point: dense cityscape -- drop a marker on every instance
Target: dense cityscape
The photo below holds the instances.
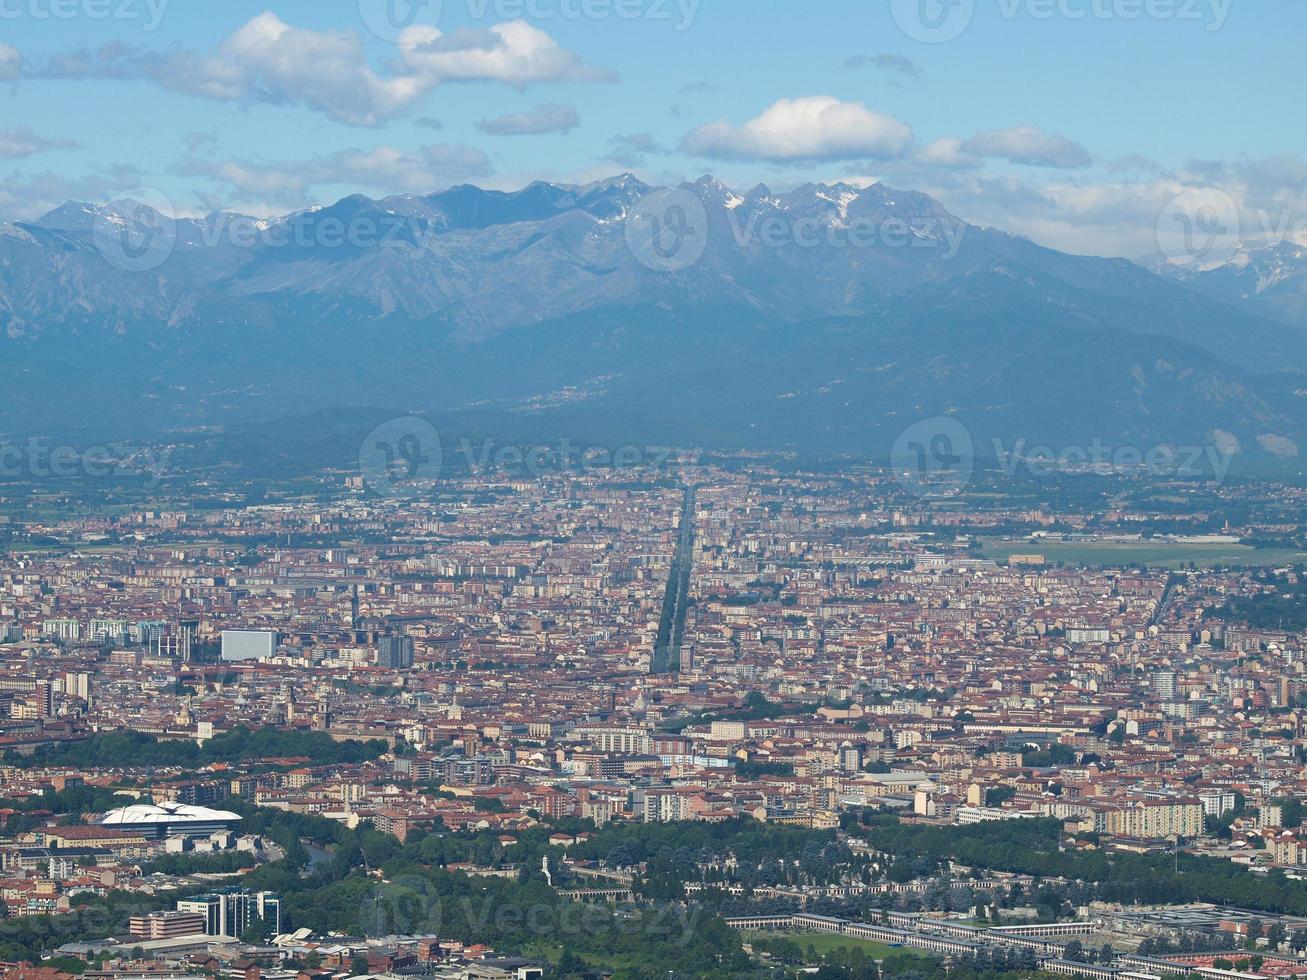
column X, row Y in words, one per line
column 653, row 490
column 813, row 718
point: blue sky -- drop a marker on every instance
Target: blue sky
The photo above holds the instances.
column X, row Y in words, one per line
column 1076, row 122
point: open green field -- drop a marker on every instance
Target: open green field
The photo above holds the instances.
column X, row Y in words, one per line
column 824, row 942
column 1158, row 554
column 551, row 951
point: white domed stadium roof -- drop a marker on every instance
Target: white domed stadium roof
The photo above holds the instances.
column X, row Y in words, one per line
column 163, row 813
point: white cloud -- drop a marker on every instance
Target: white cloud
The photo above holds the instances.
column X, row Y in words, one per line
column 948, row 152
column 548, row 117
column 22, row 142
column 1027, row 145
column 252, row 180
column 818, row 127
column 388, row 169
column 630, row 150
column 264, row 186
column 1086, row 216
column 28, row 196
column 269, row 61
column 11, row 63
column 266, row 60
column 518, row 179
column 513, row 52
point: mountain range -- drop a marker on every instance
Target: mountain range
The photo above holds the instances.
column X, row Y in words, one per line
column 1270, row 278
column 825, row 318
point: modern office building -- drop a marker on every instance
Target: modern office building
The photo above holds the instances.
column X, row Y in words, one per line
column 231, row 913
column 248, row 645
column 147, row 631
column 177, row 641
column 107, row 630
column 1164, row 684
column 62, row 629
column 166, row 925
column 395, row 652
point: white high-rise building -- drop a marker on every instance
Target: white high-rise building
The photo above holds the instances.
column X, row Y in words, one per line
column 248, row 645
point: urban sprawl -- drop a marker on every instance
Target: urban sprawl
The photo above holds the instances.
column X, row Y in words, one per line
column 734, row 721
